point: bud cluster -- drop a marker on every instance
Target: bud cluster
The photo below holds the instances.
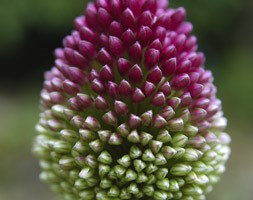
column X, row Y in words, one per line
column 128, row 110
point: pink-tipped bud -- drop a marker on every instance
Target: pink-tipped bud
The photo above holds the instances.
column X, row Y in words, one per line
column 180, row 81
column 165, row 88
column 120, row 107
column 158, row 99
column 110, row 118
column 101, row 103
column 97, row 86
column 148, row 88
column 134, row 121
column 159, row 121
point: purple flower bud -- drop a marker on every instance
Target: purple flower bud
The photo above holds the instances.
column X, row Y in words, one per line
column 70, row 87
column 101, row 103
column 88, row 35
column 134, row 121
column 159, row 121
column 97, row 86
column 123, row 66
column 151, row 58
column 104, row 57
column 120, row 107
column 87, row 49
column 128, row 38
column 128, row 19
column 144, row 35
column 106, row 73
column 158, row 99
column 135, row 74
column 180, row 81
column 135, row 51
column 125, row 88
column 104, row 18
column 112, row 89
column 116, row 29
column 155, row 75
column 110, row 118
column 116, row 46
column 145, row 19
column 156, row 44
column 167, row 112
column 169, row 67
column 138, row 96
column 165, row 88
column 148, row 88
column 177, row 17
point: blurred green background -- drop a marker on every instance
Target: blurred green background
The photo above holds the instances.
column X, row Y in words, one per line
column 31, row 29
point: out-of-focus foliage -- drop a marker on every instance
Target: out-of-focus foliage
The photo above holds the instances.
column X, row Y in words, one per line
column 18, row 16
column 224, row 29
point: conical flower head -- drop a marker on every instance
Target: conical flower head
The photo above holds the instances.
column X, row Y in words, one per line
column 128, row 110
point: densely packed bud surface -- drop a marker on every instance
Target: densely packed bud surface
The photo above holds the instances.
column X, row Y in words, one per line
column 128, row 110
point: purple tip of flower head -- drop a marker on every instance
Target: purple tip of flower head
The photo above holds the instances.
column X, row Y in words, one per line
column 129, row 101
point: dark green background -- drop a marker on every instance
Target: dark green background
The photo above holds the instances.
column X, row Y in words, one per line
column 31, row 29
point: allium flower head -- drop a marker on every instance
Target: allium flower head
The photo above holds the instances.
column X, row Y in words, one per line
column 128, row 110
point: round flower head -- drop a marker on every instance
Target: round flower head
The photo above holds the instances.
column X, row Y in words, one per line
column 128, row 110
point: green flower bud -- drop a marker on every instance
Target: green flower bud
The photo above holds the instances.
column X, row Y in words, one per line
column 148, row 190
column 163, row 184
column 67, row 163
column 61, row 147
column 105, row 158
column 160, row 159
column 161, row 173
column 103, row 170
column 130, row 175
column 133, row 137
column 125, row 161
column 145, row 138
column 119, row 170
column 139, row 165
column 164, row 136
column 192, row 154
column 125, row 194
column 155, row 146
column 87, row 135
column 104, row 135
column 160, row 195
column 96, row 145
column 87, row 194
column 105, row 183
column 135, row 152
column 179, row 140
column 133, row 189
column 180, row 169
column 142, row 178
column 69, row 135
column 174, row 186
column 115, row 139
column 86, row 172
column 113, row 191
column 168, row 152
column 148, row 156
